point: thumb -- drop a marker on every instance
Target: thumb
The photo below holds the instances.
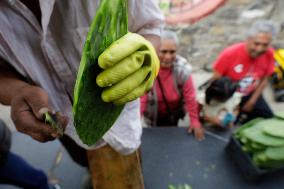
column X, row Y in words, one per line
column 37, row 99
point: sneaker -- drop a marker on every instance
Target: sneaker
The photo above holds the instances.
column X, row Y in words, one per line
column 87, row 181
column 54, row 186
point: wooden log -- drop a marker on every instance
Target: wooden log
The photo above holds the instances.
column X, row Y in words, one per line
column 111, row 170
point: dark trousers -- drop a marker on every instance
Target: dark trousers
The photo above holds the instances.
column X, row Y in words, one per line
column 17, row 171
column 172, row 117
column 77, row 153
column 167, row 121
column 14, row 169
column 260, row 109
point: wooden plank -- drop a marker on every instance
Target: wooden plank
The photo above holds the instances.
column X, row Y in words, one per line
column 111, row 170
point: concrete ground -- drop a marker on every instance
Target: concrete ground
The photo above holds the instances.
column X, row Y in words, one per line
column 54, row 160
column 209, row 35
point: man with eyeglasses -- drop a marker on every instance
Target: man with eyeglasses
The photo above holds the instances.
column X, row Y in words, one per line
column 250, row 63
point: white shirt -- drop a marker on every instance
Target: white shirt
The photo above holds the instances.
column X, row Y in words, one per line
column 49, row 55
column 215, row 107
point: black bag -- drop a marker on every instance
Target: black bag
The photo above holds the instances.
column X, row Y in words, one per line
column 5, row 141
column 173, row 115
column 176, row 115
column 220, row 89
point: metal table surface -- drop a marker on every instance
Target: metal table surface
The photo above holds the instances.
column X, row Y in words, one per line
column 171, row 156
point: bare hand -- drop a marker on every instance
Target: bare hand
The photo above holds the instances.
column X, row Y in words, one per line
column 197, row 131
column 27, row 109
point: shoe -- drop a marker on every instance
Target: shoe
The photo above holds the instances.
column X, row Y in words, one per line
column 54, row 186
column 87, row 181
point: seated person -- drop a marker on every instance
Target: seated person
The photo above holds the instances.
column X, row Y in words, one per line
column 250, row 63
column 173, row 93
column 219, row 103
column 14, row 170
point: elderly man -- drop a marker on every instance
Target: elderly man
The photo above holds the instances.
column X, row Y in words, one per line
column 250, row 63
column 40, row 51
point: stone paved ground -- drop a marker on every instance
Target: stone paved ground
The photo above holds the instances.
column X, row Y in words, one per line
column 202, row 41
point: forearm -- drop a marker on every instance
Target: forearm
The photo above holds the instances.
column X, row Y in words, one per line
column 28, row 103
column 193, row 112
column 191, row 104
column 216, row 75
column 258, row 91
column 10, row 84
column 154, row 39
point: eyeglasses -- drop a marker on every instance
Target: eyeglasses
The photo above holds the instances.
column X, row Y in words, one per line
column 168, row 51
column 262, row 44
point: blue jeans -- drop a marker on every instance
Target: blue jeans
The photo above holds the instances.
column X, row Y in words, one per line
column 16, row 171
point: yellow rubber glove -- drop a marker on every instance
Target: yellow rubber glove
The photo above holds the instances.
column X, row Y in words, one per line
column 130, row 67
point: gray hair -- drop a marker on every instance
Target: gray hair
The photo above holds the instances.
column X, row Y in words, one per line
column 263, row 26
column 169, row 35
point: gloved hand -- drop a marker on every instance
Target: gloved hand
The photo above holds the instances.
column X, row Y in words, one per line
column 130, row 66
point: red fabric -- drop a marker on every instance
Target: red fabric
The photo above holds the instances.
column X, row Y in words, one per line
column 192, row 13
column 191, row 104
column 173, row 98
column 236, row 55
column 143, row 104
column 236, row 63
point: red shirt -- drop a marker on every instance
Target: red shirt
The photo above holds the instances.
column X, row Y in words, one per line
column 173, row 96
column 235, row 63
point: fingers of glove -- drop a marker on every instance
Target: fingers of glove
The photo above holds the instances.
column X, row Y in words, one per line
column 139, row 91
column 126, row 86
column 136, row 93
column 121, row 49
column 121, row 70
